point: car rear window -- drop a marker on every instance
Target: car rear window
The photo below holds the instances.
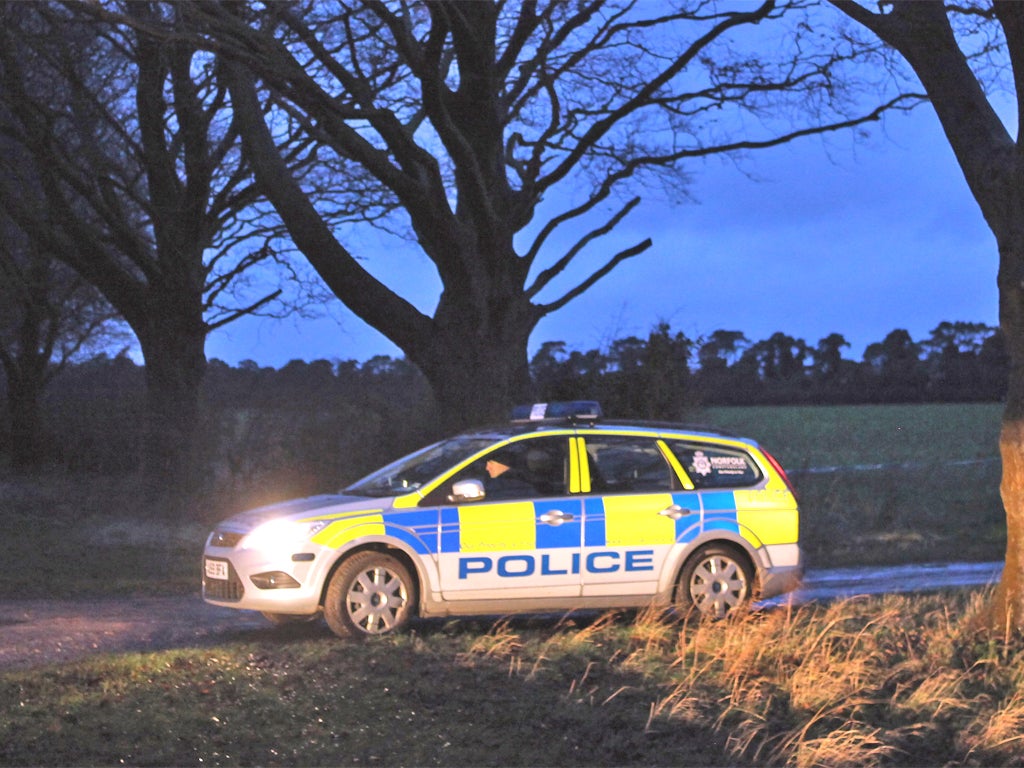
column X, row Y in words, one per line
column 712, row 466
column 626, row 464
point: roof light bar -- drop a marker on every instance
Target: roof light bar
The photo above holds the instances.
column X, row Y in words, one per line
column 570, row 411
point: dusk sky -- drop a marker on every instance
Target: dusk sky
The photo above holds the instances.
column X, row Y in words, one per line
column 820, row 236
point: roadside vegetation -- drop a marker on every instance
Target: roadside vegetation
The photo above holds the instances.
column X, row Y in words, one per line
column 871, row 681
column 333, row 421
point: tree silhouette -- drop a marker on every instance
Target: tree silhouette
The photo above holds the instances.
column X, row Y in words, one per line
column 127, row 167
column 508, row 140
column 952, row 49
column 900, row 376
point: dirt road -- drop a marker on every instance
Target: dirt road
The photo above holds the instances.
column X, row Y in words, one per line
column 34, row 632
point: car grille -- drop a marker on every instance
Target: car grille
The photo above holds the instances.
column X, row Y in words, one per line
column 224, row 589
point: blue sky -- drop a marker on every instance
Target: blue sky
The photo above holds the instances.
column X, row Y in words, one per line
column 857, row 237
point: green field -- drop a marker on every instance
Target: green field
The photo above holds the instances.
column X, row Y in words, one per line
column 912, row 483
column 820, row 436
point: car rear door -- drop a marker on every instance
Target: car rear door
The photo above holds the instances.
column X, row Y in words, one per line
column 636, row 510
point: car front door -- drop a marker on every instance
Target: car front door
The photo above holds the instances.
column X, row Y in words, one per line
column 523, row 538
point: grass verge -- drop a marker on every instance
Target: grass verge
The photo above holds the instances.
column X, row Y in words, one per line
column 88, row 536
column 886, row 681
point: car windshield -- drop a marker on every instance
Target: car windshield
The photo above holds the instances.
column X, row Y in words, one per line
column 415, row 470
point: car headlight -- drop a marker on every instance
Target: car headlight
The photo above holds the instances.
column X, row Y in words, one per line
column 282, row 536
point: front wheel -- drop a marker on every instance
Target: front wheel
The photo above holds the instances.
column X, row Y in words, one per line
column 716, row 581
column 370, row 593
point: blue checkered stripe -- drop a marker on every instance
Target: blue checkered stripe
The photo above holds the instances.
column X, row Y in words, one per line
column 435, row 531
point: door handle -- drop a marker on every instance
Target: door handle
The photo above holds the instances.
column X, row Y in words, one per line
column 675, row 512
column 555, row 517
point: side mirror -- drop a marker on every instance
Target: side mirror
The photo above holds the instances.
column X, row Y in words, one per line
column 467, row 490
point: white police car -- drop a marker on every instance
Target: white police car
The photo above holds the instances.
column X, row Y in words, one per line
column 559, row 510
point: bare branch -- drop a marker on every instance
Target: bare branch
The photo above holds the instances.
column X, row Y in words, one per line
column 252, row 309
column 584, row 286
column 559, row 266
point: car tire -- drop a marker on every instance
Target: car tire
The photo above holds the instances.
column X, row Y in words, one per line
column 288, row 619
column 716, row 581
column 370, row 593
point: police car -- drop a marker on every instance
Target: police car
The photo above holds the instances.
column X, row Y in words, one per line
column 558, row 510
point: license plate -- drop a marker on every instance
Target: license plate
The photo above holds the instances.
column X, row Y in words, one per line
column 216, row 569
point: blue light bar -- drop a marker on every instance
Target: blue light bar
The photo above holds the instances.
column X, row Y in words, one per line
column 572, row 410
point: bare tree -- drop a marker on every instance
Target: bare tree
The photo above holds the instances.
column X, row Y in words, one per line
column 950, row 50
column 49, row 316
column 128, row 168
column 508, row 140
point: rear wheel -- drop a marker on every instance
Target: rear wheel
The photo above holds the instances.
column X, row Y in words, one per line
column 370, row 593
column 716, row 581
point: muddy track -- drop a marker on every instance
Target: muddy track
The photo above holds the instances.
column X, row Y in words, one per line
column 36, row 632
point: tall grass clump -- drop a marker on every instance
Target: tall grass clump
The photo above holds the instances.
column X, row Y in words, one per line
column 868, row 681
column 895, row 680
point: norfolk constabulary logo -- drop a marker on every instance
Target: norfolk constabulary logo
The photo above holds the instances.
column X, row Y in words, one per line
column 701, row 463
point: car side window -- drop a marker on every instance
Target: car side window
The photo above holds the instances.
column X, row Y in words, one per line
column 713, row 466
column 526, row 469
column 623, row 464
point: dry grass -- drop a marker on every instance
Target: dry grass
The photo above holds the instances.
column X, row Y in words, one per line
column 849, row 746
column 997, row 736
column 879, row 681
column 861, row 682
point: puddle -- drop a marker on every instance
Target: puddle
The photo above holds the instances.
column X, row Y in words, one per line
column 834, row 583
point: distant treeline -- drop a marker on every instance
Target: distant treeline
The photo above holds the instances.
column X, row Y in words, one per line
column 309, row 425
column 654, row 377
column 958, row 362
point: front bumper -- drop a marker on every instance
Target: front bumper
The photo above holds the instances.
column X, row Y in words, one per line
column 228, row 581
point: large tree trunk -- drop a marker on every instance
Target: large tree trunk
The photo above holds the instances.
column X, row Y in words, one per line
column 473, row 350
column 24, row 400
column 481, row 393
column 25, row 365
column 1005, row 213
column 474, row 354
column 475, row 378
column 175, row 360
column 1008, row 608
